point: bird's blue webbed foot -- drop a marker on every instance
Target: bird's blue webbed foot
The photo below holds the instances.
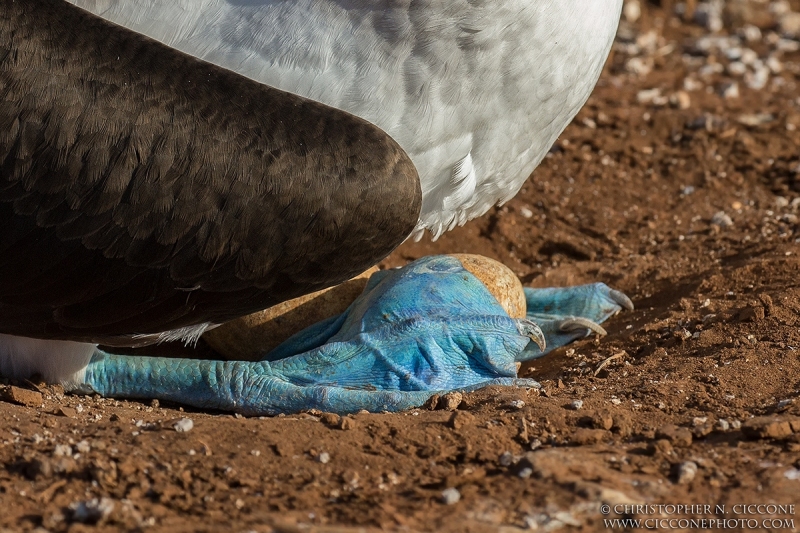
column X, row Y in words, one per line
column 430, row 327
column 570, row 313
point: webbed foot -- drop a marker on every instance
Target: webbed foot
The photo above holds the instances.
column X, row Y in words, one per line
column 570, row 313
column 430, row 327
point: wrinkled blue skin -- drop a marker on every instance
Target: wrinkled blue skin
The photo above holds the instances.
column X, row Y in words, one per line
column 430, row 327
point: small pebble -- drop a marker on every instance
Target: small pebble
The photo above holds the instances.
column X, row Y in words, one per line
column 681, row 100
column 723, row 424
column 324, row 458
column 790, row 24
column 602, row 419
column 450, row 401
column 576, row 405
column 62, row 450
column 517, row 404
column 709, row 16
column 722, row 220
column 330, row 419
column 83, row 446
column 21, row 396
column 460, row 419
column 91, row 510
column 751, row 33
column 730, row 90
column 686, row 472
column 660, row 447
column 69, row 412
column 792, row 474
column 506, row 459
column 646, row 96
column 525, row 473
column 450, row 496
column 737, row 68
column 632, row 11
column 347, row 423
column 768, row 427
column 184, row 425
column 677, row 436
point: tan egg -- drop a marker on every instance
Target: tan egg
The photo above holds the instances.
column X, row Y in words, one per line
column 504, row 285
column 249, row 337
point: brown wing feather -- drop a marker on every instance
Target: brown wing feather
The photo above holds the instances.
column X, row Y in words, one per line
column 143, row 190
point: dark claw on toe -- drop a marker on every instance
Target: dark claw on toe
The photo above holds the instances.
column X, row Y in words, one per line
column 532, row 331
column 580, row 323
column 621, row 299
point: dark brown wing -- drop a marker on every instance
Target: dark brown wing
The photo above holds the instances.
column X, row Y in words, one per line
column 143, row 190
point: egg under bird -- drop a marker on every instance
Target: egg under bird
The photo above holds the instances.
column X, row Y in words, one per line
column 166, row 167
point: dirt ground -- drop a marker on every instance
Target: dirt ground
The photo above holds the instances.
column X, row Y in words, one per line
column 679, row 184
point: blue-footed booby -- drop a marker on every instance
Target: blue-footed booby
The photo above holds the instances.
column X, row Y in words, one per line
column 169, row 165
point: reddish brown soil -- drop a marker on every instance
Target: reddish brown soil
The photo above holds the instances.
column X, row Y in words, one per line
column 626, row 197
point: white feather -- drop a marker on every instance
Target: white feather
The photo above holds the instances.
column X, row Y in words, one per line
column 189, row 335
column 56, row 361
column 462, row 184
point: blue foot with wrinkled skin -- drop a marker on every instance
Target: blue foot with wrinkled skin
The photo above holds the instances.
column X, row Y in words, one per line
column 571, row 313
column 430, row 327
